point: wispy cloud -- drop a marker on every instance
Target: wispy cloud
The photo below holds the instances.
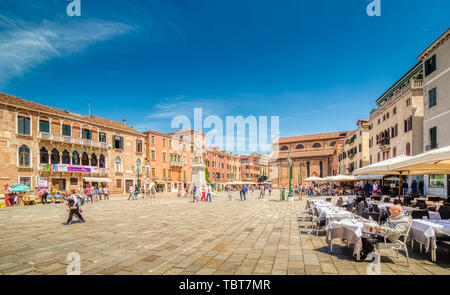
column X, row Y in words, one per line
column 23, row 46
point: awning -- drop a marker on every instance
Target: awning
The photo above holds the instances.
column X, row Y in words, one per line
column 381, row 167
column 314, row 178
column 433, row 162
column 370, row 177
column 96, row 179
column 341, row 178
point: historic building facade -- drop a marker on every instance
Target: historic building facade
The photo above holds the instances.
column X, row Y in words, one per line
column 223, row 167
column 436, row 116
column 255, row 168
column 41, row 146
column 354, row 152
column 396, row 125
column 170, row 161
column 311, row 155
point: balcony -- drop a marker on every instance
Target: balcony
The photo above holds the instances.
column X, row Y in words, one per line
column 72, row 168
column 409, row 85
column 72, row 140
column 176, row 164
column 384, row 143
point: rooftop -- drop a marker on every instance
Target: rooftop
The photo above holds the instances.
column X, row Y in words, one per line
column 312, row 137
column 15, row 101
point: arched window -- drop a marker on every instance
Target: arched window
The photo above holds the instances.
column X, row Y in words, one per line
column 408, row 149
column 24, row 156
column 55, row 156
column 394, row 152
column 43, row 155
column 94, row 161
column 299, row 147
column 118, row 165
column 65, row 157
column 378, row 157
column 85, row 159
column 333, row 143
column 102, row 162
column 75, row 158
column 317, row 145
column 284, row 148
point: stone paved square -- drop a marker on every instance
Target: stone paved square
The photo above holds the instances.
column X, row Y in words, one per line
column 169, row 235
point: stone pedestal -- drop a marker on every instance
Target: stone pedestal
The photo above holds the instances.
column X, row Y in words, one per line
column 198, row 174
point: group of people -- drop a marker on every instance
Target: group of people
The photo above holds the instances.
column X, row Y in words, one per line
column 144, row 191
column 205, row 193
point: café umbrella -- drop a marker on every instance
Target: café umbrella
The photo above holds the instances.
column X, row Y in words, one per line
column 18, row 187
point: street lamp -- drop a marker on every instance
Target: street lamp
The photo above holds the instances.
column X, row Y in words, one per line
column 290, row 175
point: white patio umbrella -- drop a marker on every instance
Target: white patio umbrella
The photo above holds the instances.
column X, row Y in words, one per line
column 370, row 177
column 384, row 167
column 313, row 178
column 433, row 162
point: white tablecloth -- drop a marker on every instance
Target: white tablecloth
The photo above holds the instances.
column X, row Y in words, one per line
column 426, row 231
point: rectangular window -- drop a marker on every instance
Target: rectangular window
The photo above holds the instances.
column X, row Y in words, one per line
column 26, row 181
column 437, row 181
column 102, row 137
column 433, row 137
column 67, row 130
column 153, row 155
column 164, row 156
column 87, row 134
column 430, row 65
column 73, row 181
column 432, row 98
column 118, row 142
column 139, row 146
column 360, row 147
column 153, row 172
column 164, row 142
column 170, row 143
column 44, row 126
column 118, row 183
column 23, row 125
column 153, row 140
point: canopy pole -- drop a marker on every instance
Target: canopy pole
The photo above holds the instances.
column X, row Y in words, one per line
column 399, row 185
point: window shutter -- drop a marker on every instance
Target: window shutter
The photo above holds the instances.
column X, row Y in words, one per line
column 121, row 142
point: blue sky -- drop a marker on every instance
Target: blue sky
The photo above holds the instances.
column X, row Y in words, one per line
column 318, row 65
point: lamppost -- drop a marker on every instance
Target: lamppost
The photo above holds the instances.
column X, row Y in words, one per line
column 301, row 180
column 290, row 175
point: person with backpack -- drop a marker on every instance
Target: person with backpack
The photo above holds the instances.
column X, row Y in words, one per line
column 74, row 209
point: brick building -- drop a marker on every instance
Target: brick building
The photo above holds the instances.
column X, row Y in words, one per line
column 223, row 167
column 312, row 155
column 255, row 168
column 45, row 146
column 169, row 156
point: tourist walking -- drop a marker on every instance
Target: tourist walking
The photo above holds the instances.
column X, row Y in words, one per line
column 153, row 191
column 73, row 208
column 89, row 192
column 203, row 194
column 261, row 193
column 106, row 192
column 100, row 192
column 208, row 193
column 194, row 192
column 229, row 193
column 131, row 191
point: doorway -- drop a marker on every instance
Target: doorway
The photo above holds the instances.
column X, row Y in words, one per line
column 59, row 184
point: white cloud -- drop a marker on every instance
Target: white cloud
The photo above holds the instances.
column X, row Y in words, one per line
column 25, row 46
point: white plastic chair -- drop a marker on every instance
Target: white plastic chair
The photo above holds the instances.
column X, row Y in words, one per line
column 398, row 245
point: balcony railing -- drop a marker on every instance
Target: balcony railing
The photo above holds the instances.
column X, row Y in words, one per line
column 411, row 84
column 176, row 164
column 73, row 140
column 72, row 168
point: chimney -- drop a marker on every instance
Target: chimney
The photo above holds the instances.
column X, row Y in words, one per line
column 124, row 122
